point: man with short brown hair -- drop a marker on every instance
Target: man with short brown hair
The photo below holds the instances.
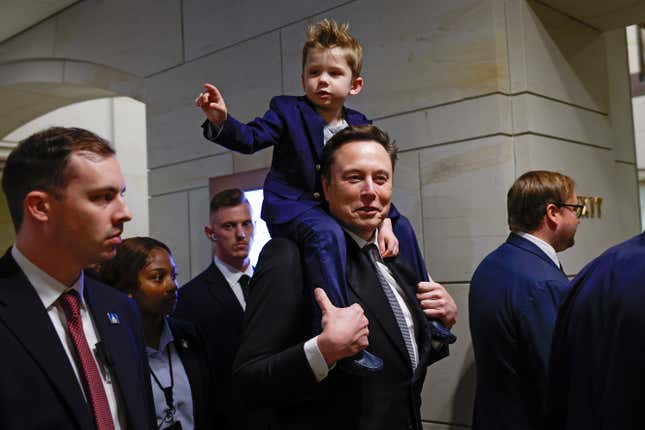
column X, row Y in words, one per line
column 283, row 365
column 215, row 299
column 72, row 348
column 513, row 301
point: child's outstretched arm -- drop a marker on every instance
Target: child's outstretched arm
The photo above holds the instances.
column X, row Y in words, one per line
column 387, row 242
column 212, row 104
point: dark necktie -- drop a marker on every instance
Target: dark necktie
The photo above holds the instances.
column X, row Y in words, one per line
column 89, row 371
column 375, row 256
column 244, row 282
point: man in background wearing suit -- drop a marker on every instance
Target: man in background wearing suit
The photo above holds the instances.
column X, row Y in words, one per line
column 596, row 373
column 514, row 297
column 282, row 366
column 72, row 348
column 216, row 298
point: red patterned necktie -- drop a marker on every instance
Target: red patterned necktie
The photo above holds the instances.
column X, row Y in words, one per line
column 91, row 377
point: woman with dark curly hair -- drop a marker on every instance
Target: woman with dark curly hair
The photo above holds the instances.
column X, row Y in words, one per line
column 182, row 383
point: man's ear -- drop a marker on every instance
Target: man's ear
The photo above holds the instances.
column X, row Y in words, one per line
column 208, row 231
column 37, row 205
column 357, row 86
column 552, row 215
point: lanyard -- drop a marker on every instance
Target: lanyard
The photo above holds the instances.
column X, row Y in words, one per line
column 167, row 391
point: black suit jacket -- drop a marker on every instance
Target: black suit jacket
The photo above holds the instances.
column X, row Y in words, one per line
column 192, row 352
column 208, row 302
column 38, row 388
column 271, row 367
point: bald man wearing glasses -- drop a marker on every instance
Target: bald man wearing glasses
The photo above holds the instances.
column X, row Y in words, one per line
column 514, row 297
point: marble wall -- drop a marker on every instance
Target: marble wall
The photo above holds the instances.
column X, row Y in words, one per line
column 475, row 91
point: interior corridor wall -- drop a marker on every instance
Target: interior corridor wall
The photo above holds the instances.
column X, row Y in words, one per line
column 476, row 92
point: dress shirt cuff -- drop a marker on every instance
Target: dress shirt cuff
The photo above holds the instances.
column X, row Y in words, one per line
column 316, row 360
column 212, row 131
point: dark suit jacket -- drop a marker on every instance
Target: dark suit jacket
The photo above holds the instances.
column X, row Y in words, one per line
column 38, row 388
column 597, row 371
column 514, row 296
column 271, row 367
column 208, row 302
column 192, row 352
column 295, row 130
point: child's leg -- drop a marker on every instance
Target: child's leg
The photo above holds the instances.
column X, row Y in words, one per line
column 322, row 242
column 411, row 254
column 408, row 246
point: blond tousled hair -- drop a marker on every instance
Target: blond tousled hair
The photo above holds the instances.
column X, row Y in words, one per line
column 328, row 34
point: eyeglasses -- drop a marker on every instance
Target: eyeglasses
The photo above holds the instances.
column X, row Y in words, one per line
column 579, row 210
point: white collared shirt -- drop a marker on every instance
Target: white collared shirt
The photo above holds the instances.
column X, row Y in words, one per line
column 544, row 246
column 181, row 392
column 232, row 276
column 329, row 131
column 49, row 290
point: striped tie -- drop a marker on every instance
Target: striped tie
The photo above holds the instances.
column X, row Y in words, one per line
column 375, row 256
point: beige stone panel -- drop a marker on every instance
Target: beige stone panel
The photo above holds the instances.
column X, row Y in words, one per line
column 244, row 162
column 31, row 101
column 136, row 197
column 638, row 106
column 602, row 14
column 517, row 50
column 405, row 193
column 209, row 27
column 189, row 174
column 200, row 246
column 596, row 174
column 7, row 233
column 463, row 189
column 532, row 114
column 416, row 54
column 449, row 390
column 36, row 42
column 103, row 77
column 129, row 119
column 565, row 59
column 440, row 426
column 169, row 224
column 141, row 37
column 37, row 71
column 94, row 115
column 467, row 119
column 641, row 191
column 247, row 75
column 620, row 107
column 631, row 34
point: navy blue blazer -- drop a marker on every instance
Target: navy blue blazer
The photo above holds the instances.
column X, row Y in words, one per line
column 597, row 371
column 295, row 130
column 513, row 301
column 39, row 388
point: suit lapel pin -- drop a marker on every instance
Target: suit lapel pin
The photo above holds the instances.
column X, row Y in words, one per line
column 113, row 318
column 183, row 343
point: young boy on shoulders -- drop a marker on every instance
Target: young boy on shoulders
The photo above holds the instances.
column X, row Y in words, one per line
column 298, row 128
